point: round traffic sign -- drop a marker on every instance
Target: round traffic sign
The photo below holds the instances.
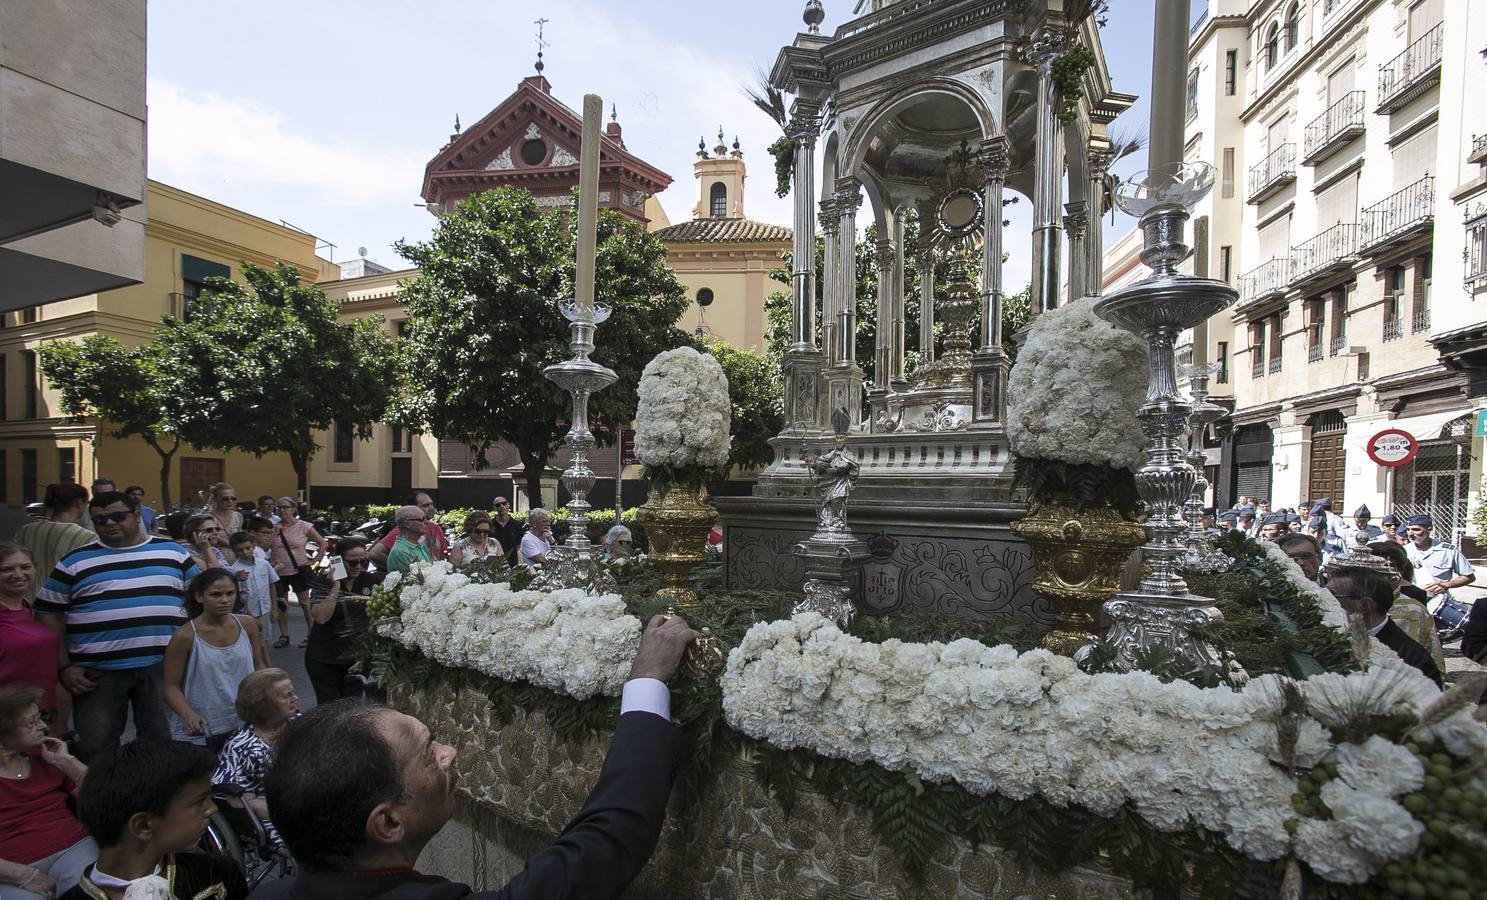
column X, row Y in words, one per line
column 1392, row 447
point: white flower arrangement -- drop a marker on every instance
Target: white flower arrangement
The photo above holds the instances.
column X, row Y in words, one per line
column 565, row 641
column 1075, row 390
column 683, row 417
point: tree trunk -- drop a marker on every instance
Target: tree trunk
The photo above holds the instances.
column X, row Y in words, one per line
column 300, row 460
column 165, row 459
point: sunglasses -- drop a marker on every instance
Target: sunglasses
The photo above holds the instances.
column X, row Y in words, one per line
column 115, row 517
column 285, row 506
column 623, row 541
column 484, row 531
column 226, row 498
column 354, row 562
column 213, row 530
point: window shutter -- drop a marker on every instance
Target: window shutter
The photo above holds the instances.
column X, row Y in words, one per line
column 1338, row 203
column 1275, row 239
column 1414, row 159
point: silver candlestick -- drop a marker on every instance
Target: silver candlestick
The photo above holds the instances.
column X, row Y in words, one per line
column 573, row 563
column 1162, row 612
column 1202, row 555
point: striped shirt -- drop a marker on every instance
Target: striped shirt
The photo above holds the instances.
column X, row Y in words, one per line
column 121, row 604
column 49, row 542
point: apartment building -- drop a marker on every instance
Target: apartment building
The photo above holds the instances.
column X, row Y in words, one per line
column 1350, row 212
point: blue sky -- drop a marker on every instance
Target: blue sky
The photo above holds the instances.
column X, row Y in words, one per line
column 323, row 114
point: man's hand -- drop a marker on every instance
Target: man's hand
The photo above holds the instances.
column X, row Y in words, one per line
column 661, row 648
column 1436, row 587
column 75, row 680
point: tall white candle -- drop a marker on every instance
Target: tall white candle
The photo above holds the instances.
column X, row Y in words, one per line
column 1169, row 62
column 588, row 205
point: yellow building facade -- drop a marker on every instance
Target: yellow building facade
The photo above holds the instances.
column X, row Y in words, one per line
column 187, row 239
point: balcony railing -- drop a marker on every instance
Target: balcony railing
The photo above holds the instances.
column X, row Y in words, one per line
column 1478, row 153
column 1406, row 76
column 1333, row 129
column 1400, row 216
column 1266, row 280
column 1272, row 173
column 1314, row 352
column 1476, row 252
column 1257, row 369
column 1332, row 248
column 1338, row 345
column 1393, row 328
column 1421, row 320
column 1274, row 365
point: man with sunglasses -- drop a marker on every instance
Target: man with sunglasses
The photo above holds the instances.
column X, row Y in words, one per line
column 433, row 535
column 114, row 603
column 409, row 547
column 506, row 530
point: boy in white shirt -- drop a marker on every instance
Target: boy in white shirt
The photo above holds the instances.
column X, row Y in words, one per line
column 255, row 579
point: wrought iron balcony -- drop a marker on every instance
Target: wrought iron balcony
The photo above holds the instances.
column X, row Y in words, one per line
column 1267, row 280
column 1274, row 364
column 1334, row 248
column 1314, row 351
column 1338, row 345
column 1393, row 328
column 1478, row 153
column 1272, row 173
column 1257, row 368
column 1404, row 215
column 1421, row 320
column 1407, row 75
column 1333, row 129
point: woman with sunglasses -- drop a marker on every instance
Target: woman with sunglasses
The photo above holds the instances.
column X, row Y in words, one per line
column 291, row 555
column 476, row 552
column 224, row 508
column 207, row 542
column 338, row 616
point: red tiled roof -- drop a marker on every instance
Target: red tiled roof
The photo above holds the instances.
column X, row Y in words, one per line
column 719, row 231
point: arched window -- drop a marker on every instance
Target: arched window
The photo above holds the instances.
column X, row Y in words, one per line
column 1272, row 46
column 718, row 200
column 1293, row 27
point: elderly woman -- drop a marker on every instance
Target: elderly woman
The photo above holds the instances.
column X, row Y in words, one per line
column 265, row 702
column 476, row 552
column 617, row 543
column 537, row 542
column 43, row 847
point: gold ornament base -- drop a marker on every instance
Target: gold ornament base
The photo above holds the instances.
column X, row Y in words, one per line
column 1078, row 555
column 677, row 518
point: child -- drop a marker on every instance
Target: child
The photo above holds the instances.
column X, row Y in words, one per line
column 264, row 533
column 255, row 577
column 146, row 806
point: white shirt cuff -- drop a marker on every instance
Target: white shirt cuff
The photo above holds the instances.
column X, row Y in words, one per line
column 646, row 695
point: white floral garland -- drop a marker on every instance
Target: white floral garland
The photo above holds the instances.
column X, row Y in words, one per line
column 683, row 417
column 1075, row 390
column 565, row 641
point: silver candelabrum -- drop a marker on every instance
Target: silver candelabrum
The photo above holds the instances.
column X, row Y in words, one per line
column 1202, row 554
column 1161, row 613
column 573, row 563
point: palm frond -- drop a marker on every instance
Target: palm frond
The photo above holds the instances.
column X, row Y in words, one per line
column 769, row 99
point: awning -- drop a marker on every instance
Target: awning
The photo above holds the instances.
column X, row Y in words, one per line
column 1426, row 427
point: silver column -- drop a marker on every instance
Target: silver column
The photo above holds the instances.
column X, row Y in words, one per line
column 848, row 199
column 926, row 305
column 803, row 128
column 1076, row 224
column 896, row 316
column 994, row 165
column 887, row 253
column 830, row 273
column 1048, row 174
column 1094, row 242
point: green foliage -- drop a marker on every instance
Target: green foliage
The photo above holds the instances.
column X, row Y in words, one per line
column 1050, row 480
column 261, row 367
column 123, row 386
column 1067, row 70
column 485, row 324
column 756, row 393
column 783, row 151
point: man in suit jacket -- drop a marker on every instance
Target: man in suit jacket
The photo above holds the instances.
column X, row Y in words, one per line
column 1370, row 594
column 357, row 790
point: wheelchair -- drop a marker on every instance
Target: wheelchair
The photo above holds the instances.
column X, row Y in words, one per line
column 235, row 831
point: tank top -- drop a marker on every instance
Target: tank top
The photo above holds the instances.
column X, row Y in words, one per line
column 211, row 685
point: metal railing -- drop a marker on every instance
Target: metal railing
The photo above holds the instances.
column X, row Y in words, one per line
column 1393, row 328
column 1343, row 120
column 1267, row 278
column 1257, row 369
column 1420, row 321
column 1335, row 245
column 1314, row 351
column 1338, row 345
column 1416, row 64
column 1275, row 364
column 1272, row 171
column 1476, row 252
column 1399, row 213
column 1479, row 149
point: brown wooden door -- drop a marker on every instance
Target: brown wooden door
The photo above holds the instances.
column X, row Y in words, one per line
column 1327, row 470
column 197, row 475
column 402, row 478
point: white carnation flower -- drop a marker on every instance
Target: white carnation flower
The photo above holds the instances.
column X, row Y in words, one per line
column 683, row 417
column 1381, row 766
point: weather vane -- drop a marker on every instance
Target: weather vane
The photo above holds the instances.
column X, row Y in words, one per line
column 541, row 44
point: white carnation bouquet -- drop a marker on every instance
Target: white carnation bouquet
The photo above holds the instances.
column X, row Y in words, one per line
column 1073, row 394
column 682, row 423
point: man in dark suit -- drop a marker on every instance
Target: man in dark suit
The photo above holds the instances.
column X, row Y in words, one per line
column 357, row 790
column 1370, row 594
